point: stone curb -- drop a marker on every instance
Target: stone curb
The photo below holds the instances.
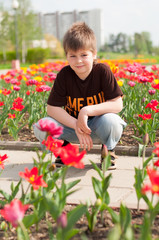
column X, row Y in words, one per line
column 33, row 146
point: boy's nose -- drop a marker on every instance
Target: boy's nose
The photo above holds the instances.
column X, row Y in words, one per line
column 79, row 59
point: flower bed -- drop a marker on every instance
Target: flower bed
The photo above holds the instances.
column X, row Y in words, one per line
column 23, row 102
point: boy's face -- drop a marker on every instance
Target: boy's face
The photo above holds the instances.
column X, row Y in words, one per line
column 81, row 62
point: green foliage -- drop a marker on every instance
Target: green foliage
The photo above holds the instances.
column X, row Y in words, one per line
column 37, row 55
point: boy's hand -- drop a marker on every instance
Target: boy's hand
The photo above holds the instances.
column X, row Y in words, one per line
column 82, row 122
column 85, row 140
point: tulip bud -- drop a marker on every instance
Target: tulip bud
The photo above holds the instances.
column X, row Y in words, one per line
column 4, row 226
column 62, row 220
column 52, row 167
column 146, row 139
column 98, row 202
column 144, row 99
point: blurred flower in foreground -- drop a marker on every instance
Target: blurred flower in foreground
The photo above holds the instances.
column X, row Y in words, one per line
column 50, row 127
column 14, row 212
column 153, row 186
column 51, row 144
column 2, row 159
column 33, row 178
column 69, row 154
column 156, row 151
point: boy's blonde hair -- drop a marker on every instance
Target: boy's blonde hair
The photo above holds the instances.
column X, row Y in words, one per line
column 79, row 36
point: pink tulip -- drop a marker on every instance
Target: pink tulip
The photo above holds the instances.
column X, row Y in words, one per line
column 16, row 88
column 14, row 212
column 152, row 91
column 131, row 83
column 52, row 128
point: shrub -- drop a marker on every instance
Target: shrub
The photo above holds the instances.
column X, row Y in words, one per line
column 37, row 55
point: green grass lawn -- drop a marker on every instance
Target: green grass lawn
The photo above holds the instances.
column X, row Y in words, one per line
column 9, row 65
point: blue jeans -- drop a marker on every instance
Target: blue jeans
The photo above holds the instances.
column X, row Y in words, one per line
column 106, row 129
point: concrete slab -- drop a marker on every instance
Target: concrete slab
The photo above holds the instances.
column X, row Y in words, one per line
column 121, row 187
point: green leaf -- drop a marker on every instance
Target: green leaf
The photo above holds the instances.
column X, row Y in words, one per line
column 106, row 182
column 115, row 217
column 97, row 187
column 115, row 233
column 147, row 161
column 51, row 207
column 72, row 184
column 29, row 220
column 138, row 139
column 15, row 189
column 125, row 218
column 71, row 233
column 140, row 150
column 74, row 215
column 138, row 182
column 5, row 195
column 146, row 228
column 97, row 169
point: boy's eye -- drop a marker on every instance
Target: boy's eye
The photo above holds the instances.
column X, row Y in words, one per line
column 84, row 55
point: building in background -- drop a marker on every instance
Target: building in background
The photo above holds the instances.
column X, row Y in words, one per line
column 57, row 23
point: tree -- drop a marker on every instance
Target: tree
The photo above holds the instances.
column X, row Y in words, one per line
column 142, row 43
column 55, row 46
column 27, row 27
column 137, row 43
column 4, row 31
column 121, row 42
column 147, row 40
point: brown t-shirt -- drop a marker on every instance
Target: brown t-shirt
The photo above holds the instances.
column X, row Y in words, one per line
column 73, row 93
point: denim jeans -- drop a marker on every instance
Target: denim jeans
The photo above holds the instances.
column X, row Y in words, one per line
column 106, row 129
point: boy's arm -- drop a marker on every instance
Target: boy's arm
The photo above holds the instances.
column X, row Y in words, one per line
column 63, row 117
column 111, row 106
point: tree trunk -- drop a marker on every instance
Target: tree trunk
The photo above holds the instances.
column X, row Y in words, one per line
column 23, row 51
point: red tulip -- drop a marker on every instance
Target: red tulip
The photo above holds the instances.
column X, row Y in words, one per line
column 145, row 116
column 33, row 178
column 154, row 181
column 17, row 106
column 12, row 116
column 2, row 159
column 70, row 155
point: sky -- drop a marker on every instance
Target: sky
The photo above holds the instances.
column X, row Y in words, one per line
column 126, row 16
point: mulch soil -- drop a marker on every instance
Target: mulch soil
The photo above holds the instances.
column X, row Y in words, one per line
column 27, row 135
column 101, row 230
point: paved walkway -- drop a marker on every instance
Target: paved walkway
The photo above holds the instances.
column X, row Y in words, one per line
column 121, row 187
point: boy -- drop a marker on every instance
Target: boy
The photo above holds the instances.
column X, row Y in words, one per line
column 85, row 97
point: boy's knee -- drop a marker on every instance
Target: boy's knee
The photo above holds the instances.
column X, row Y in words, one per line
column 111, row 122
column 40, row 135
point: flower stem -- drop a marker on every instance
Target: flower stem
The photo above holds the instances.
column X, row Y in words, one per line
column 26, row 236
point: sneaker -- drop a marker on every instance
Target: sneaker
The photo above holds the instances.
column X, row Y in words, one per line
column 58, row 162
column 104, row 153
